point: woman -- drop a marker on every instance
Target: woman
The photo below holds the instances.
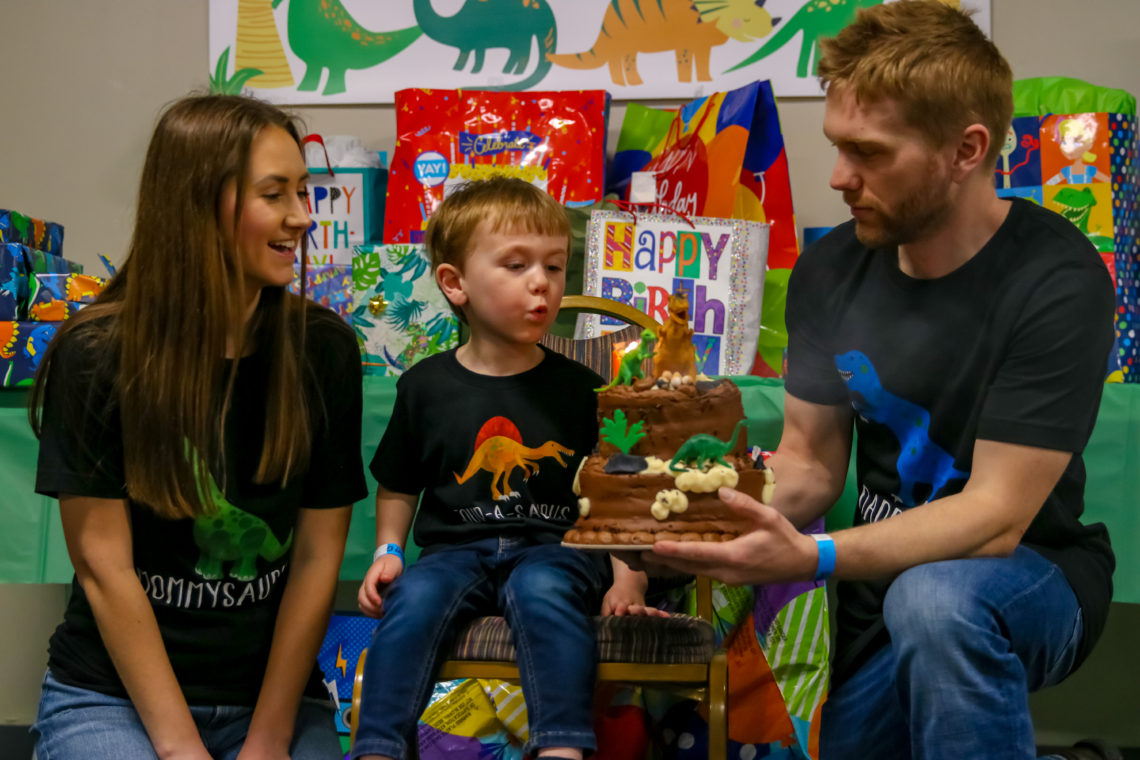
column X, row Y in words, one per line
column 200, row 426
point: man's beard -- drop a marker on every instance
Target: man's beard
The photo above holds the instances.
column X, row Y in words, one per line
column 916, row 216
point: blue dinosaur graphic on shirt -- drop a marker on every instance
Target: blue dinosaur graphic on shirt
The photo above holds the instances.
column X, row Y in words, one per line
column 921, row 460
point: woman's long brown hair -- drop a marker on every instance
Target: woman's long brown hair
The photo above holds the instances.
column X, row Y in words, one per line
column 165, row 317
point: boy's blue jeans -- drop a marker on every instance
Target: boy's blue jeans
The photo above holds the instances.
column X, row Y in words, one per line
column 969, row 640
column 548, row 594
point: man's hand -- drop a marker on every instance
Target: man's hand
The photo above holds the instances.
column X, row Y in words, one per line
column 773, row 551
column 380, row 575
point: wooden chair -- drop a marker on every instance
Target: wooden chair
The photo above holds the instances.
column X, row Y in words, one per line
column 678, row 654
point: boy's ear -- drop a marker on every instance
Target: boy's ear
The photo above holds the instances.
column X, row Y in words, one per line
column 448, row 277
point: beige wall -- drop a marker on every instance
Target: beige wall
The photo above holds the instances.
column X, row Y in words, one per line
column 84, row 80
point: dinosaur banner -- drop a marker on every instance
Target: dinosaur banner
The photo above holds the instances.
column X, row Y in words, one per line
column 639, row 259
column 361, row 51
column 1073, row 148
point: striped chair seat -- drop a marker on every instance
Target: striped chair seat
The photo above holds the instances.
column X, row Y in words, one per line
column 675, row 640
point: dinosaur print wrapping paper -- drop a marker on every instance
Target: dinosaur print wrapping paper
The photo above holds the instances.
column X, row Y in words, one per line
column 1073, row 148
column 554, row 140
column 361, row 51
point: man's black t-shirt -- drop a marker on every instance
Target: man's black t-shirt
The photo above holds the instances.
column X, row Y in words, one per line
column 1011, row 347
column 493, row 456
column 214, row 582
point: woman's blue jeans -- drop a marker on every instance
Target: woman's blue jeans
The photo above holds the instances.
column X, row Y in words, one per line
column 80, row 724
column 548, row 594
column 970, row 639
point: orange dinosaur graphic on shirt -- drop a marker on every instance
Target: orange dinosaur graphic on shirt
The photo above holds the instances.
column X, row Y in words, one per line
column 500, row 451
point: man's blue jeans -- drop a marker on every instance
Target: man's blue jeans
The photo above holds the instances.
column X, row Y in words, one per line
column 970, row 639
column 548, row 594
column 80, row 724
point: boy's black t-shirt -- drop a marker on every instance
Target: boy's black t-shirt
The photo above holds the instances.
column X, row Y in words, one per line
column 492, row 456
column 214, row 582
column 1011, row 347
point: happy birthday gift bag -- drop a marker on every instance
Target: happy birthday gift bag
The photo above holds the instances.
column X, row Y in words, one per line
column 640, row 259
column 1073, row 148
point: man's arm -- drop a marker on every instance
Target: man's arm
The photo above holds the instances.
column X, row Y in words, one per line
column 810, row 464
column 1007, row 486
column 302, row 620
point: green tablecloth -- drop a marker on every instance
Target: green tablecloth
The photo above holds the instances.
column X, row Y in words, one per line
column 32, row 548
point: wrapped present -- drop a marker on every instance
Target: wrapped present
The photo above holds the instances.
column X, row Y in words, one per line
column 55, row 297
column 13, row 282
column 34, row 233
column 554, row 140
column 22, row 345
column 1073, row 148
column 400, row 315
column 719, row 264
column 328, row 285
column 43, row 262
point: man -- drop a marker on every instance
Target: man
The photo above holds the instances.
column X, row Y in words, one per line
column 964, row 337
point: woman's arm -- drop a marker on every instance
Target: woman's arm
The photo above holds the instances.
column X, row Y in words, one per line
column 98, row 536
column 302, row 620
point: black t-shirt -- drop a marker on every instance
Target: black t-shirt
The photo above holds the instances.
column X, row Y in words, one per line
column 214, row 582
column 493, row 456
column 1011, row 347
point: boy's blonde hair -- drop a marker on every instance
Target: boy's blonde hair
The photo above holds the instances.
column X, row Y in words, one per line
column 505, row 204
column 930, row 58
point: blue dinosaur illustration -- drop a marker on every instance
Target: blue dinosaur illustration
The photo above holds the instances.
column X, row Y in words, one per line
column 921, row 460
column 484, row 24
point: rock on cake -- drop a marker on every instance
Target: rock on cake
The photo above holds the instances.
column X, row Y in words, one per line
column 666, row 445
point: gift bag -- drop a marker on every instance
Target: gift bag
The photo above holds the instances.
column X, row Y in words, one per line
column 642, row 259
column 401, row 315
column 1072, row 147
column 721, row 155
column 555, row 140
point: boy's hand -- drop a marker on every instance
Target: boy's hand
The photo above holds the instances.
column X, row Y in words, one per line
column 383, row 571
column 621, row 600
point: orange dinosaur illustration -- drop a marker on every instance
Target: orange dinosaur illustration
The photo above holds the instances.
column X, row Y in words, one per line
column 83, row 287
column 690, row 28
column 9, row 332
column 500, row 451
column 675, row 352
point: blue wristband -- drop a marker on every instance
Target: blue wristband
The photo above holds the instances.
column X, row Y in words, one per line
column 826, row 565
column 392, row 549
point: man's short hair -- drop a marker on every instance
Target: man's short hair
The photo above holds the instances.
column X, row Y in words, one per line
column 506, row 204
column 930, row 58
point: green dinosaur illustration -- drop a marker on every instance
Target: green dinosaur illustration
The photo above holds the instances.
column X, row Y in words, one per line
column 230, row 534
column 702, row 449
column 325, row 36
column 630, row 367
column 1076, row 205
column 816, row 19
column 484, row 24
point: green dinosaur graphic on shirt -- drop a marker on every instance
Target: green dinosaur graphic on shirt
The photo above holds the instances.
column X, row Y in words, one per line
column 230, row 534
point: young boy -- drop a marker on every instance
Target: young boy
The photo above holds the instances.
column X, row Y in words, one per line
column 491, row 433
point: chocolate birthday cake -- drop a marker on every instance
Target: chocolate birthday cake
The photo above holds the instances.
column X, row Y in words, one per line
column 664, row 450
